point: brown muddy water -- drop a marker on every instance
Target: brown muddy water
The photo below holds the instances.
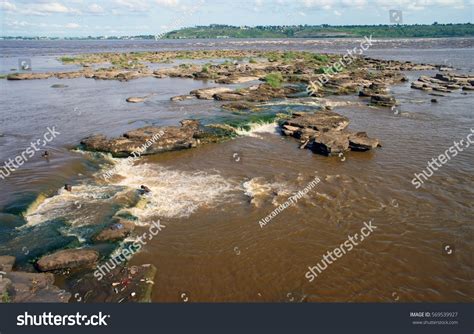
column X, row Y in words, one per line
column 213, row 248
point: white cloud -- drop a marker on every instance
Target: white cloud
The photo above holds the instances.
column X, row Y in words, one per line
column 7, row 6
column 95, row 9
column 133, row 5
column 72, row 26
column 168, row 3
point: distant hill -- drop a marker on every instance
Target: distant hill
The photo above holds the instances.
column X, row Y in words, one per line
column 324, row 31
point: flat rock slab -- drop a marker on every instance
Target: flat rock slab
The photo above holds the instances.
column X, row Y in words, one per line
column 123, row 284
column 147, row 140
column 319, row 121
column 68, row 258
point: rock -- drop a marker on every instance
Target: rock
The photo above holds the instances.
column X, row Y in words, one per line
column 182, row 97
column 208, row 93
column 359, row 141
column 320, row 121
column 123, row 284
column 160, row 139
column 28, row 76
column 235, row 106
column 383, row 100
column 434, row 101
column 59, row 86
column 35, row 288
column 330, row 143
column 324, row 133
column 468, row 88
column 115, row 232
column 421, row 86
column 235, row 79
column 7, row 263
column 136, row 99
column 68, row 258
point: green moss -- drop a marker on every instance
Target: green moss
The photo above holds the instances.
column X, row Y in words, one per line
column 320, row 58
column 68, row 59
column 252, row 61
column 274, row 79
column 6, row 298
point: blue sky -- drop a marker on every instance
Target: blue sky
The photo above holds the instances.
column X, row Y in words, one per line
column 134, row 17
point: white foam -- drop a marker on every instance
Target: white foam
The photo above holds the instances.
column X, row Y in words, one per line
column 259, row 128
column 69, row 205
column 174, row 193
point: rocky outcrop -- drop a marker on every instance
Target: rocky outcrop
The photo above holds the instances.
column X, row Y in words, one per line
column 322, row 121
column 153, row 139
column 115, row 232
column 325, row 133
column 444, row 82
column 159, row 139
column 68, row 259
column 257, row 93
column 383, row 100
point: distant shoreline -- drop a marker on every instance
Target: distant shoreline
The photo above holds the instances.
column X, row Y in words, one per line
column 324, row 31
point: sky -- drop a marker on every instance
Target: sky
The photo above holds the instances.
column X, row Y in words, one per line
column 56, row 18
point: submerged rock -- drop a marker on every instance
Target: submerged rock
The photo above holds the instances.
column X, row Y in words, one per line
column 68, row 258
column 123, row 284
column 182, row 97
column 383, row 100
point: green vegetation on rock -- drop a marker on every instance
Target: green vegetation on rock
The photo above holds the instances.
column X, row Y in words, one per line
column 274, row 79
